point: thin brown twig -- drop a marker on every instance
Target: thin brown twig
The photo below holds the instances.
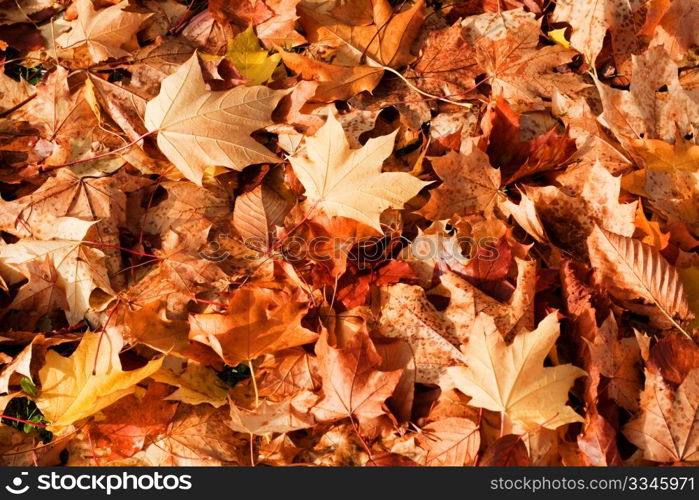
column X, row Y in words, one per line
column 50, row 168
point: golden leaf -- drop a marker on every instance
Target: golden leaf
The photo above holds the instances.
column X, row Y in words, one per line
column 511, row 379
column 71, row 391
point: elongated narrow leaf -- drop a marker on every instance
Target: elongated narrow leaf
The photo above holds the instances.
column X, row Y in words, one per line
column 632, row 270
column 258, row 211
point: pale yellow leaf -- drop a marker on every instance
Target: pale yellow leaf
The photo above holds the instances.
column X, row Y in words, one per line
column 197, row 384
column 80, row 269
column 348, row 182
column 198, row 128
column 511, row 379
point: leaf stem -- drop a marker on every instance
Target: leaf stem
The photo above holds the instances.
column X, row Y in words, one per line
column 254, row 383
column 210, row 302
column 361, row 440
column 92, row 446
column 252, row 450
column 22, row 421
column 102, row 332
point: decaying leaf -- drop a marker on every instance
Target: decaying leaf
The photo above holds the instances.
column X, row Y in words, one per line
column 105, row 31
column 666, row 428
column 470, row 185
column 407, row 314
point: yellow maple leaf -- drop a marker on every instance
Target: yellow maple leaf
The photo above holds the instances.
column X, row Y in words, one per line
column 246, row 54
column 559, row 36
column 198, row 129
column 71, row 391
column 349, row 182
column 511, row 379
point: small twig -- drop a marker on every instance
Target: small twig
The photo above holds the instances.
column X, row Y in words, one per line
column 92, row 446
column 210, row 302
column 99, row 341
column 332, row 300
column 117, row 247
column 68, row 329
column 477, row 458
column 446, row 96
column 422, row 92
column 43, row 168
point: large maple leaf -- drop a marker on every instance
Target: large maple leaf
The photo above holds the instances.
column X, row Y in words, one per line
column 511, row 379
column 259, row 321
column 71, row 390
column 198, row 129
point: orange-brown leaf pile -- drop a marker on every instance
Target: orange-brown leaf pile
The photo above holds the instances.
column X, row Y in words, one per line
column 349, row 232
